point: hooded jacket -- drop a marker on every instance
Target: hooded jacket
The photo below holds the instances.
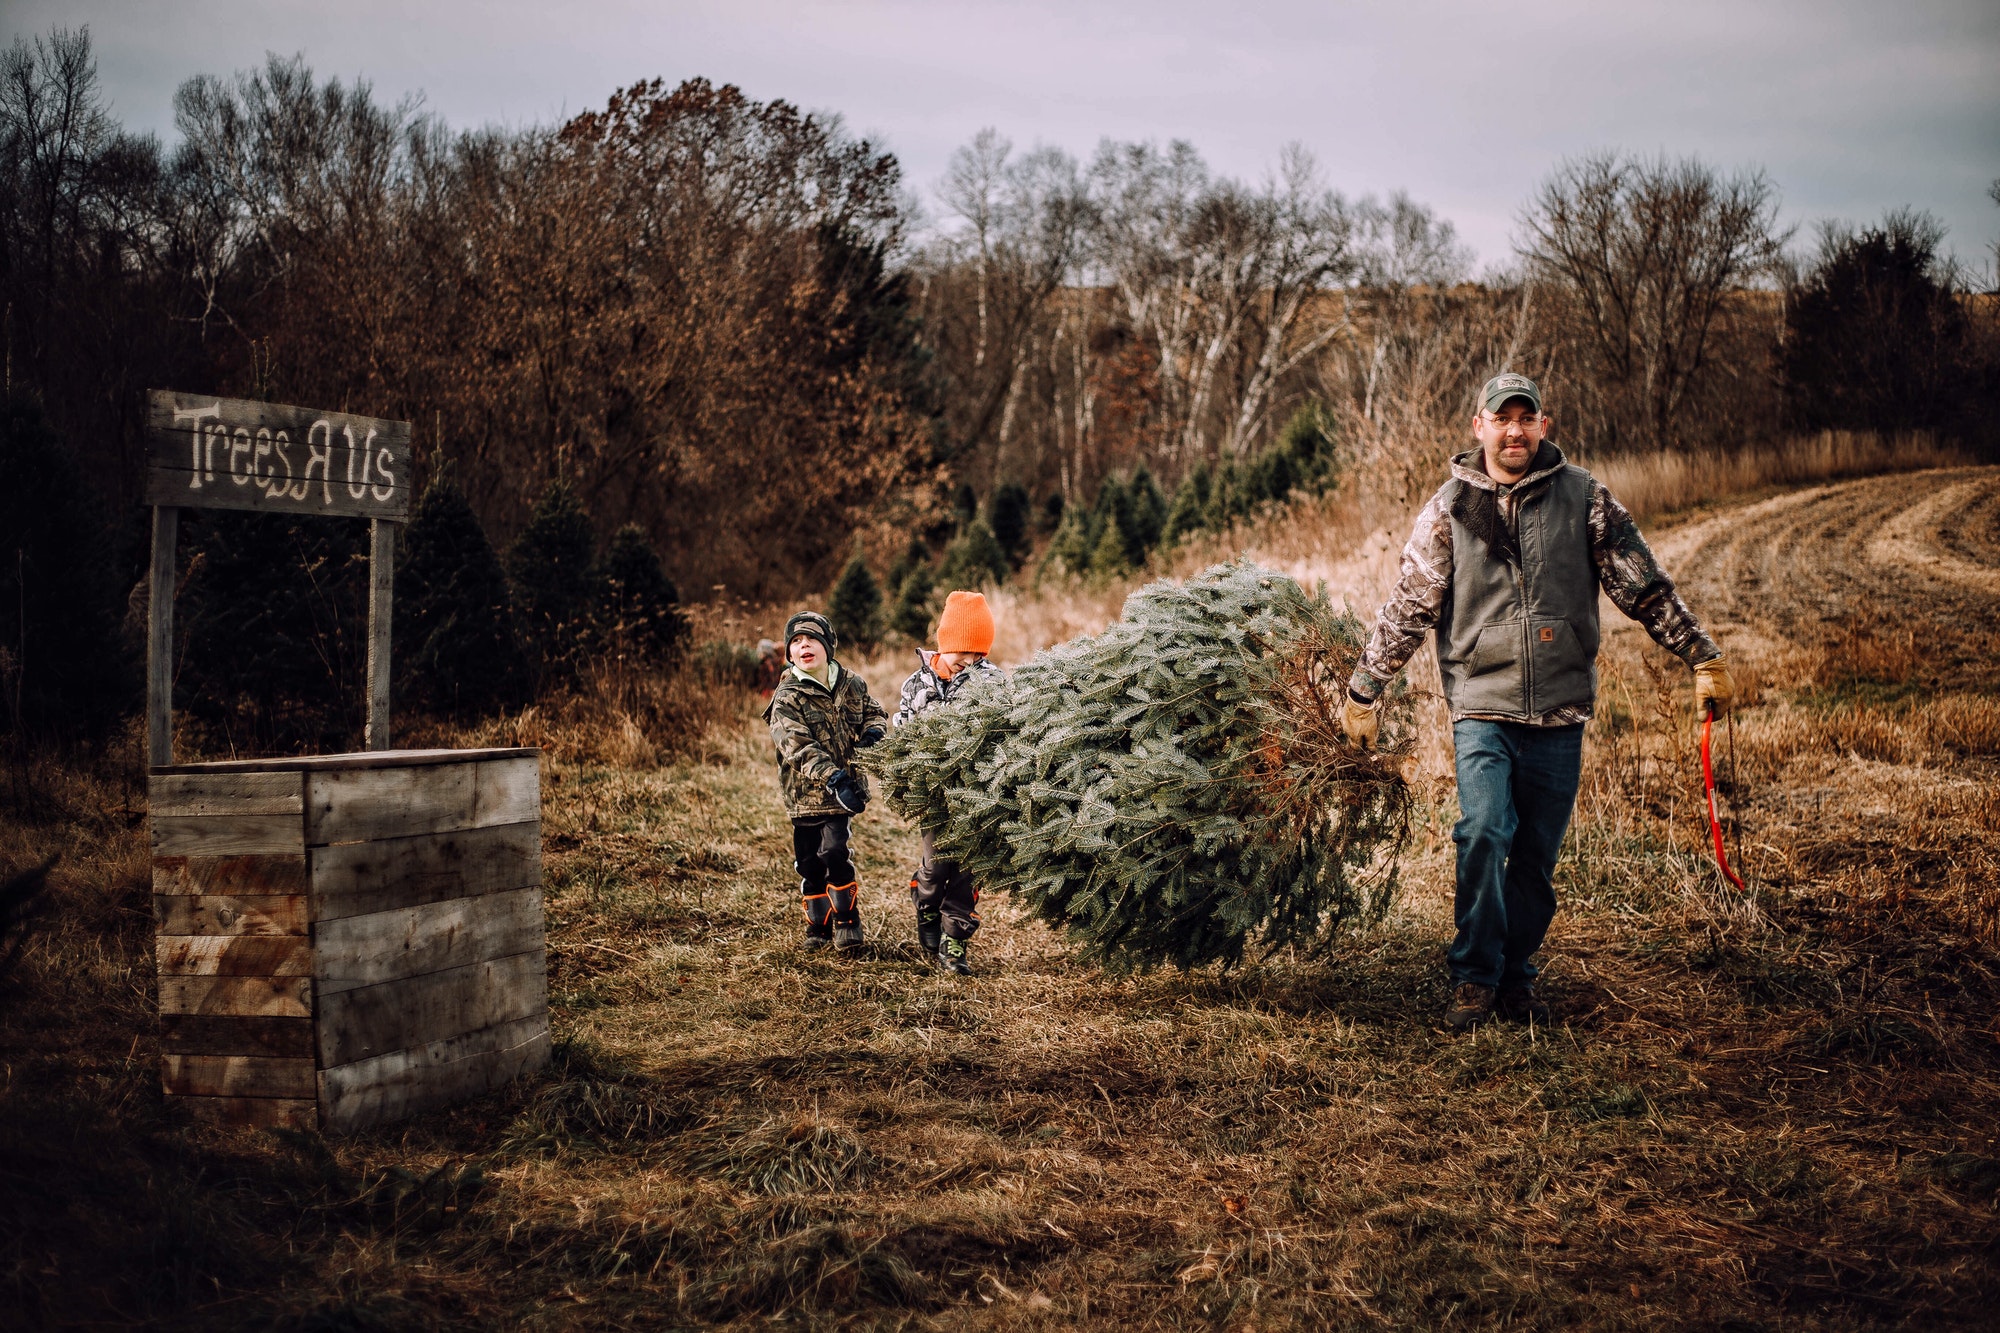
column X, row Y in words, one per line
column 815, row 728
column 925, row 689
column 1508, row 576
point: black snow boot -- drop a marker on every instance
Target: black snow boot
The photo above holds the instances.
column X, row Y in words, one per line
column 951, row 957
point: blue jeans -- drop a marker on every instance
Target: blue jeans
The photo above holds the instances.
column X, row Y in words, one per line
column 1516, row 788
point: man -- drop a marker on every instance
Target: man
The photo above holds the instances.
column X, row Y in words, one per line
column 1505, row 562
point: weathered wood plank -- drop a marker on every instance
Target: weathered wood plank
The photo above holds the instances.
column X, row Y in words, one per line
column 186, row 794
column 224, row 1034
column 160, row 638
column 250, row 875
column 205, row 452
column 356, row 759
column 388, row 803
column 270, row 997
column 398, row 1083
column 230, row 914
column 368, row 950
column 381, row 588
column 227, row 835
column 234, row 955
column 253, row 1112
column 508, row 791
column 358, row 878
column 237, row 1076
column 401, row 1015
column 369, row 804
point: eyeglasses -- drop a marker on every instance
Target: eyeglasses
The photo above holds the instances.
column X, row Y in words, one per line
column 1527, row 421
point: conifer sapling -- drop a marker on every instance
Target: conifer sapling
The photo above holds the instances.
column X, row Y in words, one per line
column 1176, row 789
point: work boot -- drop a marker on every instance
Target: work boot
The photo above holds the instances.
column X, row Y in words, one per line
column 1518, row 1003
column 951, row 957
column 930, row 929
column 1471, row 1005
column 847, row 934
column 817, row 938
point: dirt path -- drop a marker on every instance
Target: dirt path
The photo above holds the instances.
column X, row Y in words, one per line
column 1914, row 555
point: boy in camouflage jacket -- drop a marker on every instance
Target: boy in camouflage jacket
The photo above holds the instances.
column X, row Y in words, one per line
column 946, row 900
column 821, row 716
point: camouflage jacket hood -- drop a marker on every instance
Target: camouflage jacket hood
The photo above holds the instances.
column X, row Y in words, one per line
column 815, row 729
column 925, row 689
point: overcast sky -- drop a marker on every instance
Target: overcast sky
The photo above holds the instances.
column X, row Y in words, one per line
column 1852, row 106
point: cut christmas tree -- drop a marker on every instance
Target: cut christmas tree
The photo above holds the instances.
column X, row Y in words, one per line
column 1177, row 788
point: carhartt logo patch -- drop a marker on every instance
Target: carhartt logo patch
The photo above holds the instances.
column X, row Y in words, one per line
column 1548, row 634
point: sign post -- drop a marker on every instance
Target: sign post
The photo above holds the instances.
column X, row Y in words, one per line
column 204, row 452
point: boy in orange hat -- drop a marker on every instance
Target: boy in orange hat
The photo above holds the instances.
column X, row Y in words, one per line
column 947, row 903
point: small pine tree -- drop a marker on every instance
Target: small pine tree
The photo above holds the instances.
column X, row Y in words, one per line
column 1272, row 475
column 1069, row 551
column 1050, row 516
column 912, row 556
column 639, row 618
column 911, row 615
column 1146, row 516
column 1007, row 515
column 975, row 559
column 855, row 604
column 456, row 649
column 275, row 610
column 1177, row 788
column 1113, row 555
column 1227, row 501
column 964, row 505
column 1308, row 438
column 1112, row 512
column 1189, row 512
column 555, row 578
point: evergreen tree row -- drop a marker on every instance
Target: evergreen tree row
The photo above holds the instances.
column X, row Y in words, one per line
column 1129, row 520
column 1131, row 517
column 474, row 633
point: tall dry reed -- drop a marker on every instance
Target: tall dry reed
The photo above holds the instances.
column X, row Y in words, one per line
column 1659, row 483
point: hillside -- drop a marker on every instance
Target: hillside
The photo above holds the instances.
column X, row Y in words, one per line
column 1773, row 1111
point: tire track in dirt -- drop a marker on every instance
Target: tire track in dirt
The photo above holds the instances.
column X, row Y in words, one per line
column 1915, row 555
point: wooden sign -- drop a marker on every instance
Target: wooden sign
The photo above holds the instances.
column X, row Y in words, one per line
column 205, row 452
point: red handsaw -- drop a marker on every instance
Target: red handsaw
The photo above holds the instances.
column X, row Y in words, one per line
column 1708, row 781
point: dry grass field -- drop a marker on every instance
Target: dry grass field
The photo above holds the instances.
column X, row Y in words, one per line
column 1773, row 1110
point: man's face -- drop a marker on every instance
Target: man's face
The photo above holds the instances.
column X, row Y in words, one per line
column 1510, row 437
column 809, row 653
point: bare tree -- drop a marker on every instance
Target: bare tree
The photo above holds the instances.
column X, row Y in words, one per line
column 1025, row 221
column 1645, row 251
column 1218, row 278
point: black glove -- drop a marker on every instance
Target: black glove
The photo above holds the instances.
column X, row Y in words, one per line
column 846, row 792
column 869, row 737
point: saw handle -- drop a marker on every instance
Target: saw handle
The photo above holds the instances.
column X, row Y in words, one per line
column 1708, row 784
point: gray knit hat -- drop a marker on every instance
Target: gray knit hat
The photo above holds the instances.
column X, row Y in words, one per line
column 814, row 624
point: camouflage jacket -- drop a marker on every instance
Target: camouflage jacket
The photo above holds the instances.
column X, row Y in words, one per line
column 1626, row 572
column 815, row 730
column 925, row 689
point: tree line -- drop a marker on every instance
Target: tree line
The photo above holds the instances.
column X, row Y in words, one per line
column 723, row 327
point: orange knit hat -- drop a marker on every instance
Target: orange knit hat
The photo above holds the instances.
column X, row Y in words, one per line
column 966, row 626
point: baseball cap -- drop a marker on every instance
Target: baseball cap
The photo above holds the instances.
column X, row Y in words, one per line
column 1509, row 385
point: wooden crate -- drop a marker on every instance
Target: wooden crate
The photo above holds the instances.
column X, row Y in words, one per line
column 346, row 939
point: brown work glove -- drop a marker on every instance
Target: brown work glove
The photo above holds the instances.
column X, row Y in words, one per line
column 1713, row 689
column 1359, row 720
